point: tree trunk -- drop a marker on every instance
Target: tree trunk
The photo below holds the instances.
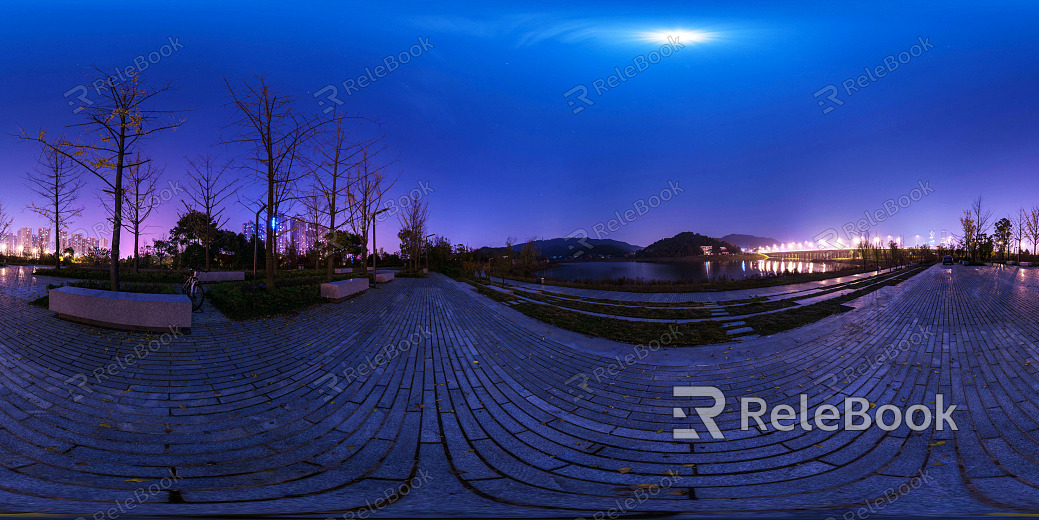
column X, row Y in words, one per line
column 136, row 248
column 117, row 217
column 269, row 254
column 57, row 241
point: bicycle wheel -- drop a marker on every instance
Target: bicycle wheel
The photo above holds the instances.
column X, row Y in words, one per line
column 197, row 296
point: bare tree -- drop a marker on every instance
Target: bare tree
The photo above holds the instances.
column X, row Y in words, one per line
column 370, row 185
column 5, row 222
column 970, row 233
column 314, row 213
column 268, row 123
column 1032, row 228
column 207, row 192
column 981, row 219
column 57, row 181
column 413, row 217
column 333, row 179
column 1019, row 232
column 139, row 200
column 115, row 125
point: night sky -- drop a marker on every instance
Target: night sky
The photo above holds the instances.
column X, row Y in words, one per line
column 482, row 118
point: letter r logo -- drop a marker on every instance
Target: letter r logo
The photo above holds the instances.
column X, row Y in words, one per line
column 706, row 414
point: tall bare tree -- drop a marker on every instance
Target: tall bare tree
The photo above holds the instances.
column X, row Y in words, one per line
column 1032, row 228
column 268, row 123
column 370, row 186
column 981, row 217
column 115, row 125
column 314, row 214
column 57, row 181
column 139, row 200
column 334, row 166
column 209, row 188
column 5, row 222
column 970, row 233
column 413, row 217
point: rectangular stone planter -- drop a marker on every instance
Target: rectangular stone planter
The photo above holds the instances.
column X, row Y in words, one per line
column 383, row 277
column 341, row 290
column 221, row 276
column 1011, row 262
column 122, row 310
column 344, row 270
column 964, row 262
column 1026, row 264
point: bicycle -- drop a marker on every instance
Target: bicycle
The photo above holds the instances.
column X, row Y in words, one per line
column 193, row 288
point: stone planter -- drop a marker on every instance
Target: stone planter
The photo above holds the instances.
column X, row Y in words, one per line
column 122, row 310
column 344, row 270
column 384, row 278
column 341, row 290
column 1026, row 264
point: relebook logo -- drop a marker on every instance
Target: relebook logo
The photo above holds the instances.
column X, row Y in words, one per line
column 857, row 414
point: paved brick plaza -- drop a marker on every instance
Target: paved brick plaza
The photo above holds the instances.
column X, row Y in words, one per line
column 480, row 417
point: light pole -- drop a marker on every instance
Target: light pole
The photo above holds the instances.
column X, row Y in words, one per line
column 427, row 249
column 375, row 249
column 256, row 236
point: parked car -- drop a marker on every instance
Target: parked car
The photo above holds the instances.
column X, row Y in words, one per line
column 947, row 260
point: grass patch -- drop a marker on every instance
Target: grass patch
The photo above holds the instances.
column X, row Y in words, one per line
column 633, row 332
column 756, row 307
column 755, row 299
column 619, row 310
column 247, row 300
column 648, row 305
column 767, row 324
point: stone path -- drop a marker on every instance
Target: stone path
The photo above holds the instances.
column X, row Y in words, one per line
column 490, row 413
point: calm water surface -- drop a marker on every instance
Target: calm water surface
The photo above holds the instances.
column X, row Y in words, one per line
column 679, row 271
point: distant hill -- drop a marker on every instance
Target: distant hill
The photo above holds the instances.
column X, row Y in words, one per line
column 749, row 241
column 561, row 248
column 685, row 244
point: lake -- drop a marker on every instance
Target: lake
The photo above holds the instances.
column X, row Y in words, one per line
column 679, row 271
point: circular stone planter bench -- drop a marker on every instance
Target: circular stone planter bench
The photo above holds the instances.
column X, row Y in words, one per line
column 221, row 276
column 384, row 277
column 122, row 310
column 343, row 289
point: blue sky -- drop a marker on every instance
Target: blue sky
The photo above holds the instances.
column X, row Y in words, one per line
column 482, row 117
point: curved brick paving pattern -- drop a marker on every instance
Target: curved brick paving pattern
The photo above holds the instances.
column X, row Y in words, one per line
column 246, row 417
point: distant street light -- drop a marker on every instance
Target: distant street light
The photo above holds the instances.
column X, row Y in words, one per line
column 427, row 248
column 375, row 250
